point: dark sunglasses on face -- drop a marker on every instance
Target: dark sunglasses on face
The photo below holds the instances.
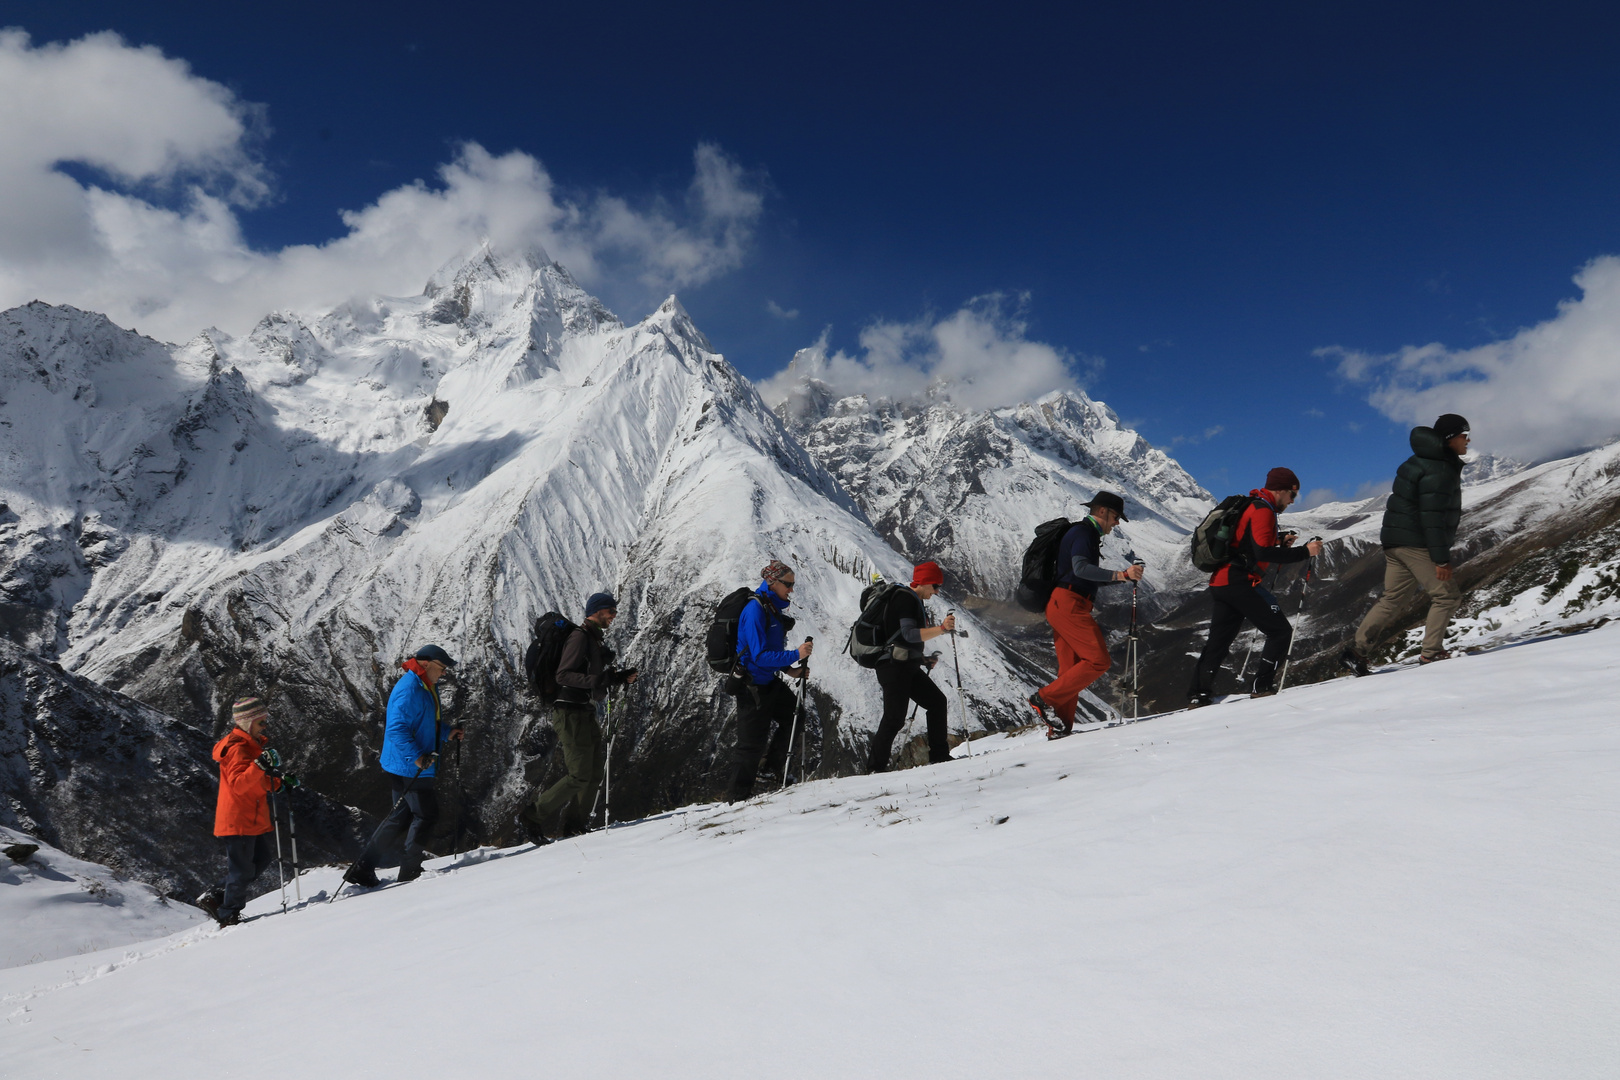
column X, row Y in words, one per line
column 788, row 585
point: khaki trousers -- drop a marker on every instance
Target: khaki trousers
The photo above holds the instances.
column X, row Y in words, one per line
column 1407, row 570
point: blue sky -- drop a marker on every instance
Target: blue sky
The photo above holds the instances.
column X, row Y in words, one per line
column 1187, row 202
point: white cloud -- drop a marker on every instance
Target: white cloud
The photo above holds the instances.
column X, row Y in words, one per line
column 1550, row 389
column 1193, row 440
column 978, row 357
column 779, row 311
column 156, row 239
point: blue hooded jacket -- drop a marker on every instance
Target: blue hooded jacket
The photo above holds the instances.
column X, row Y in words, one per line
column 413, row 726
column 762, row 640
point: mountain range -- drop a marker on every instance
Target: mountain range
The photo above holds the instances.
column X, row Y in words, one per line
column 291, row 512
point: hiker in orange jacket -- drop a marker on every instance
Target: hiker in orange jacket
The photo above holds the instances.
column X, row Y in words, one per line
column 248, row 773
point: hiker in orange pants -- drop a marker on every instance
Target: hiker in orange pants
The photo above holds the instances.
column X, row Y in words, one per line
column 1082, row 650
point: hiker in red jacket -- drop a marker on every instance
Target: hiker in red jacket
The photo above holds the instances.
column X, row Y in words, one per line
column 1237, row 593
column 248, row 773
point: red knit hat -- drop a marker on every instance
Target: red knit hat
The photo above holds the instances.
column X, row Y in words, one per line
column 928, row 573
column 1281, row 479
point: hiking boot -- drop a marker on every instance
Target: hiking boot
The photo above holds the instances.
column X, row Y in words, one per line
column 1436, row 658
column 1038, row 703
column 1260, row 692
column 532, row 831
column 361, row 875
column 1354, row 663
column 408, row 873
column 228, row 920
column 1058, row 731
column 1198, row 701
column 210, row 901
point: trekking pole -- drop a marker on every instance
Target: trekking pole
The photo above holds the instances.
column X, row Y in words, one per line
column 292, row 836
column 607, row 767
column 1304, row 586
column 1132, row 649
column 461, row 804
column 408, row 785
column 607, row 760
column 1244, row 670
column 798, row 711
column 961, row 699
column 275, row 824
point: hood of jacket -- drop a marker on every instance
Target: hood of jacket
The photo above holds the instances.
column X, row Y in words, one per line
column 776, row 602
column 237, row 734
column 1426, row 444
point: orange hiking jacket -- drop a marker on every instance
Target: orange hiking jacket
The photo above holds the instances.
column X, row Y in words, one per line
column 242, row 810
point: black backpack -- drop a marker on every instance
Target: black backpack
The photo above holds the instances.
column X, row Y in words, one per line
column 1212, row 539
column 867, row 645
column 721, row 642
column 1040, row 565
column 540, row 662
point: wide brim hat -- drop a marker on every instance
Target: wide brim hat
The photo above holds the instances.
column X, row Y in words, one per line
column 1108, row 500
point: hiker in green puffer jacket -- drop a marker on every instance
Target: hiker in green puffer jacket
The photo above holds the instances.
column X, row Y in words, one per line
column 1420, row 525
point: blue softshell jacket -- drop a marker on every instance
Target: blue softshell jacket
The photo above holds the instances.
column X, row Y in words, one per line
column 413, row 726
column 762, row 640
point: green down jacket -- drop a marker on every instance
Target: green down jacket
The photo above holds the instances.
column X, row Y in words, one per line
column 1426, row 504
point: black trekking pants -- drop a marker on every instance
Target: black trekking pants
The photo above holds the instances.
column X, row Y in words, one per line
column 245, row 859
column 903, row 684
column 1233, row 604
column 758, row 707
column 411, row 819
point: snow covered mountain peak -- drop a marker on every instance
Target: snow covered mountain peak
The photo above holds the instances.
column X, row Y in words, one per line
column 967, row 487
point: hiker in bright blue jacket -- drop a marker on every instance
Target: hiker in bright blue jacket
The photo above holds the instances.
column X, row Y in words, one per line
column 762, row 630
column 411, row 742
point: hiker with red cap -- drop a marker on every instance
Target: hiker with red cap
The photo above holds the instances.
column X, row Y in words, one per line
column 248, row 773
column 1237, row 594
column 903, row 675
column 1082, row 649
column 764, row 699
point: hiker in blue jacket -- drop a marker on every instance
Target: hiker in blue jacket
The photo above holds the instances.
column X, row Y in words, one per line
column 411, row 743
column 762, row 630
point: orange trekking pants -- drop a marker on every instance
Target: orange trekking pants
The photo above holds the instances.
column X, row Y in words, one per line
column 1082, row 651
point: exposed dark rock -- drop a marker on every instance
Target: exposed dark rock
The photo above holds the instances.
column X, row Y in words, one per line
column 107, row 779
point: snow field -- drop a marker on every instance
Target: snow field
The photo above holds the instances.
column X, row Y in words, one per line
column 1410, row 875
column 53, row 905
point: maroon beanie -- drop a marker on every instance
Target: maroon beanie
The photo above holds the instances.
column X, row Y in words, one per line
column 928, row 573
column 1281, row 479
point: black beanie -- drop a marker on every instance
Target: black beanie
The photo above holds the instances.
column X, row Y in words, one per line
column 1450, row 425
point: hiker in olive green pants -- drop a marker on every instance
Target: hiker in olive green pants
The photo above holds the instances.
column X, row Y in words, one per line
column 584, row 674
column 569, row 799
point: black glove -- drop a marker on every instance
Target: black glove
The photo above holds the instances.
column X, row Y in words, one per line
column 270, row 762
column 290, row 781
column 620, row 677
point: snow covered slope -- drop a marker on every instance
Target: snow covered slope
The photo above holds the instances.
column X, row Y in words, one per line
column 968, row 488
column 292, row 512
column 1407, row 875
column 54, row 905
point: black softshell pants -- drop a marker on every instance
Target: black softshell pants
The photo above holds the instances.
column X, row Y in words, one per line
column 903, row 684
column 1234, row 604
column 758, row 707
column 406, row 826
column 245, row 859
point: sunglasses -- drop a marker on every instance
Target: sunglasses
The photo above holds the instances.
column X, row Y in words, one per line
column 786, row 584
